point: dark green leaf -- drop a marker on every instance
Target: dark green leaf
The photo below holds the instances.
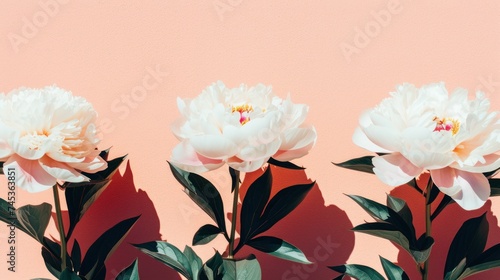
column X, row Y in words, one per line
column 434, row 193
column 491, row 174
column 246, row 269
column 457, row 271
column 424, row 246
column 400, row 207
column 444, row 202
column 284, row 202
column 52, row 261
column 76, row 256
column 413, row 183
column 284, row 164
column 203, row 193
column 278, row 248
column 103, row 247
column 235, row 178
column 393, row 271
column 193, row 260
column 206, row 234
column 253, row 204
column 34, row 219
column 468, row 243
column 495, row 187
column 69, row 275
column 213, row 269
column 386, row 231
column 79, row 196
column 363, row 164
column 129, row 273
column 381, row 212
column 489, row 259
column 169, row 255
column 358, row 271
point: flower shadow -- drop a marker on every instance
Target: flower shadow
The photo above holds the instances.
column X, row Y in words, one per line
column 322, row 232
column 118, row 202
column 444, row 228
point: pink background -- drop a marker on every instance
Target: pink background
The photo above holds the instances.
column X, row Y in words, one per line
column 339, row 57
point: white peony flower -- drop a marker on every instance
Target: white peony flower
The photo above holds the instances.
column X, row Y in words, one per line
column 47, row 135
column 241, row 126
column 454, row 138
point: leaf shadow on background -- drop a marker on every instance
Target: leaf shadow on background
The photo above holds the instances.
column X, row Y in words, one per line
column 444, row 228
column 121, row 201
column 322, row 232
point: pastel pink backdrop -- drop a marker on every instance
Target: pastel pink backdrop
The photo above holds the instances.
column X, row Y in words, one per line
column 339, row 57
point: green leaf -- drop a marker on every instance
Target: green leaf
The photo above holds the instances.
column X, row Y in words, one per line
column 203, row 193
column 434, row 193
column 492, row 173
column 129, row 273
column 363, row 164
column 284, row 164
column 358, row 271
column 193, row 260
column 235, row 178
column 489, row 259
column 213, row 269
column 80, row 196
column 381, row 212
column 386, row 231
column 103, row 247
column 455, row 273
column 253, row 204
column 69, row 275
column 400, row 207
column 34, row 219
column 494, row 186
column 169, row 255
column 393, row 271
column 284, row 202
column 30, row 219
column 246, row 269
column 278, row 248
column 76, row 256
column 444, row 202
column 206, row 234
column 468, row 243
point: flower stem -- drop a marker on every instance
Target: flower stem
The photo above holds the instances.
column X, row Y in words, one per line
column 428, row 225
column 236, row 187
column 61, row 227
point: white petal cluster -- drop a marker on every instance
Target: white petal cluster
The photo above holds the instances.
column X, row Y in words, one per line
column 242, row 127
column 47, row 135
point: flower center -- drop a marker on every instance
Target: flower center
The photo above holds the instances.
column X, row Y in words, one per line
column 447, row 124
column 244, row 111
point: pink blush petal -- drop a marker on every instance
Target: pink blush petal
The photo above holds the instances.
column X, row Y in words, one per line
column 185, row 157
column 61, row 171
column 30, row 176
column 394, row 169
column 469, row 190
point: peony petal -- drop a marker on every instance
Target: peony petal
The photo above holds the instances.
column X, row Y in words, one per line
column 213, row 146
column 394, row 169
column 385, row 137
column 30, row 176
column 5, row 134
column 61, row 171
column 90, row 165
column 248, row 166
column 492, row 162
column 22, row 149
column 296, row 143
column 359, row 138
column 185, row 157
column 473, row 188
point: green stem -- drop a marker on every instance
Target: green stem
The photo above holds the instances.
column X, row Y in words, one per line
column 236, row 187
column 61, row 227
column 428, row 224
